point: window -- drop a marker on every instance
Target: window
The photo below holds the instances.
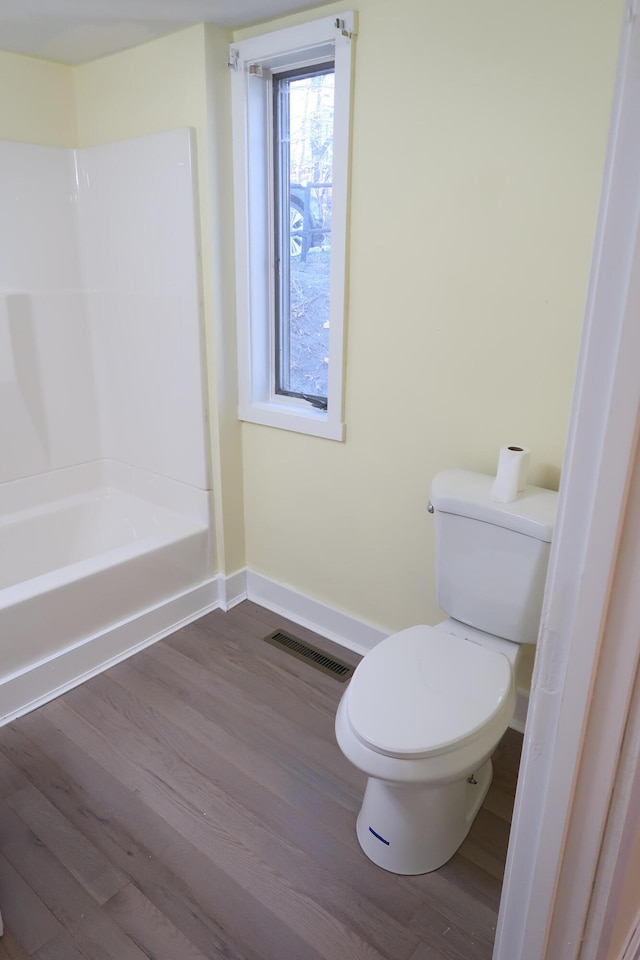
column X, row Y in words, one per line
column 303, row 162
column 290, row 112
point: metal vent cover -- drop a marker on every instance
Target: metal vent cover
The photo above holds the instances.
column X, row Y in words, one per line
column 316, row 658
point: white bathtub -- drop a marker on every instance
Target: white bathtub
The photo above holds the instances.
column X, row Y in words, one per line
column 95, row 562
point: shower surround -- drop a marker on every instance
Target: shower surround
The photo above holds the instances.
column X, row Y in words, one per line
column 105, row 501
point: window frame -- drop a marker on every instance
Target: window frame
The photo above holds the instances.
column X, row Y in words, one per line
column 252, row 62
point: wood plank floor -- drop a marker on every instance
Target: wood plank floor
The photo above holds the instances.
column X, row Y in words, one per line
column 191, row 804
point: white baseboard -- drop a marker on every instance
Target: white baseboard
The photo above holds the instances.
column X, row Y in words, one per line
column 519, row 717
column 340, row 627
column 43, row 681
column 232, row 590
column 47, row 679
column 348, row 631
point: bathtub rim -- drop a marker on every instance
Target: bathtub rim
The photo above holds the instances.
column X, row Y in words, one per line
column 44, row 488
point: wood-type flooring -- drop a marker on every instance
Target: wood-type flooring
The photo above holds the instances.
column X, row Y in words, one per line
column 191, row 803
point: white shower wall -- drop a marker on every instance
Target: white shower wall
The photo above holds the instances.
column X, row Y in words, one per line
column 100, row 334
column 48, row 408
column 138, row 248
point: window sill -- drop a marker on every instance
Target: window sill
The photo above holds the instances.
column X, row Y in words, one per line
column 315, row 423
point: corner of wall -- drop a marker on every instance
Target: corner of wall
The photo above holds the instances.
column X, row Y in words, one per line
column 36, row 101
column 220, row 329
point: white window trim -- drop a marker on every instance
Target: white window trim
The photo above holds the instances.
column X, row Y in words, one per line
column 255, row 273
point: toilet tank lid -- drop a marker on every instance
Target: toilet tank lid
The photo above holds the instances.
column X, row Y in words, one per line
column 468, row 494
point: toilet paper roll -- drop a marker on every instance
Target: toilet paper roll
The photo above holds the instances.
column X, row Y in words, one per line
column 511, row 476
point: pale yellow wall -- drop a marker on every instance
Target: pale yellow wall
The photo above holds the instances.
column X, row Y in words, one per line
column 36, row 101
column 182, row 81
column 154, row 87
column 478, row 142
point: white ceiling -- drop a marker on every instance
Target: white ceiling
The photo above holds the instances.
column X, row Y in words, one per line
column 76, row 31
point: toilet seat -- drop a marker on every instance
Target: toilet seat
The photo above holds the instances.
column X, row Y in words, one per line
column 422, row 691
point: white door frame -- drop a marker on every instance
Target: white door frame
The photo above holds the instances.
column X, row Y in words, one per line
column 583, row 671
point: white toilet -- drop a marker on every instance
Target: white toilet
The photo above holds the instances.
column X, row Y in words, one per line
column 426, row 708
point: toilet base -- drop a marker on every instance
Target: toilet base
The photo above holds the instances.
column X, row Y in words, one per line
column 415, row 828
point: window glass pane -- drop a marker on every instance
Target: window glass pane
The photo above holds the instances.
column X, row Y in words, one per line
column 304, row 162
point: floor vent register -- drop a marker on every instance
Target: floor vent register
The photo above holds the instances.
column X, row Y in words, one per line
column 315, row 658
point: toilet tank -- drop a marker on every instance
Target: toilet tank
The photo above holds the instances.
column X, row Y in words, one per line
column 491, row 558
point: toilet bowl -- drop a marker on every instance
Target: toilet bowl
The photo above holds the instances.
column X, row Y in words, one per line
column 421, row 717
